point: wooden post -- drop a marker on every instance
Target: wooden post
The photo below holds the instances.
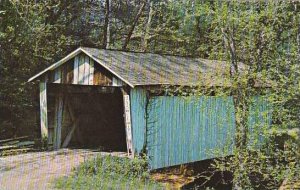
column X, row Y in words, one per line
column 43, row 109
column 58, row 121
column 127, row 118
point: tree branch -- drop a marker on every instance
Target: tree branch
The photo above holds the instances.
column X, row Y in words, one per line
column 138, row 15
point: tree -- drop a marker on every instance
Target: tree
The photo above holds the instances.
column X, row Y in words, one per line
column 134, row 23
column 260, row 41
column 263, row 36
column 29, row 42
column 106, row 33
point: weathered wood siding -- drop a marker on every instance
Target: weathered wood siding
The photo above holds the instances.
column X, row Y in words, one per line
column 59, row 117
column 58, row 122
column 117, row 82
column 82, row 70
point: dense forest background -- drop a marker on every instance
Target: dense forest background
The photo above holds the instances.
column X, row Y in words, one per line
column 264, row 35
column 35, row 34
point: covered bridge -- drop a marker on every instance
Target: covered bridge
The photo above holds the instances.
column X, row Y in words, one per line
column 119, row 101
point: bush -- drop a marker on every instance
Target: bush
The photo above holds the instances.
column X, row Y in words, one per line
column 109, row 172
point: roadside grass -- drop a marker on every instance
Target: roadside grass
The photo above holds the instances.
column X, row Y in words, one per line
column 110, row 172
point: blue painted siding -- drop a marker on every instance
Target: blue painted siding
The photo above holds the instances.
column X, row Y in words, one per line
column 260, row 118
column 182, row 130
column 138, row 101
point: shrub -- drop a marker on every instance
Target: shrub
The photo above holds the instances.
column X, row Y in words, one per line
column 110, row 172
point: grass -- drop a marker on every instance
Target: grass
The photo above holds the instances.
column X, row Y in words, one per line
column 109, row 172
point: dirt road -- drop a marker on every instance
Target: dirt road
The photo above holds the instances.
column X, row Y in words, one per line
column 38, row 170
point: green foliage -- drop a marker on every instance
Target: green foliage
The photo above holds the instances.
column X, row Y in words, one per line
column 109, row 172
column 260, row 41
column 27, row 44
column 263, row 35
column 34, row 34
column 43, row 143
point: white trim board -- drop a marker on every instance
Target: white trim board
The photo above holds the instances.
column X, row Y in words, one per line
column 57, row 64
column 72, row 55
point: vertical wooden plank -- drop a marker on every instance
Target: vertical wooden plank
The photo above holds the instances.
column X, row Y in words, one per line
column 58, row 121
column 50, row 137
column 81, row 70
column 101, row 76
column 50, row 76
column 43, row 109
column 96, row 76
column 91, row 75
column 58, row 75
column 75, row 70
column 64, row 73
column 138, row 104
column 55, row 124
column 116, row 82
column 69, row 71
column 127, row 119
column 86, row 70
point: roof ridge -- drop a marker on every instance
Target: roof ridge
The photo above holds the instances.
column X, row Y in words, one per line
column 153, row 53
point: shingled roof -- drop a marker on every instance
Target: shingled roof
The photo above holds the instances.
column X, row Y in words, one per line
column 139, row 69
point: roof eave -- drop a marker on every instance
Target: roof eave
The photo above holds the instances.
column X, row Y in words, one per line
column 110, row 70
column 72, row 55
column 57, row 64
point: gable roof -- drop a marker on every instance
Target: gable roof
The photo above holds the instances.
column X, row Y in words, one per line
column 138, row 69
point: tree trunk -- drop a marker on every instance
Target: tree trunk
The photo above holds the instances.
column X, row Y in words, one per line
column 230, row 43
column 145, row 38
column 241, row 105
column 108, row 43
column 138, row 15
column 106, row 32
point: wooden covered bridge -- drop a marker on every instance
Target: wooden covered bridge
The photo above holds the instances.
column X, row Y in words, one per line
column 119, row 101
